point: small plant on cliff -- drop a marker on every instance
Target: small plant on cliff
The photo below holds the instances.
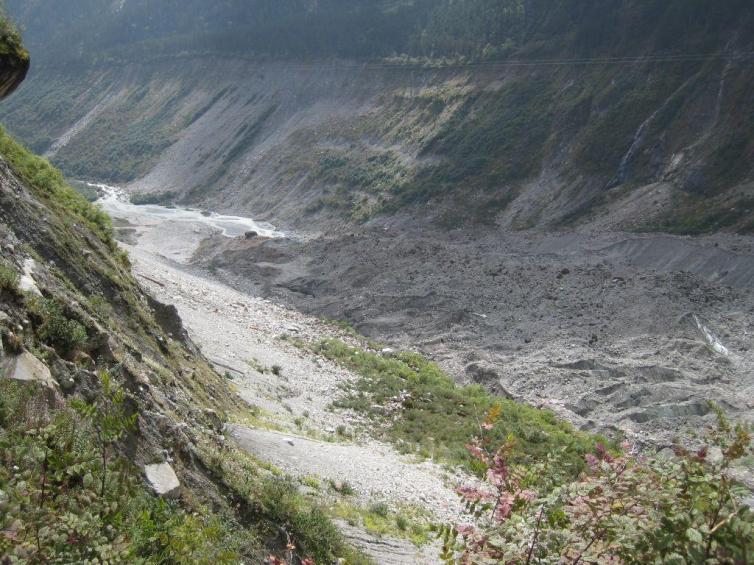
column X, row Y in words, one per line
column 624, row 508
column 8, row 279
column 53, row 509
column 110, row 421
column 10, row 38
column 56, row 329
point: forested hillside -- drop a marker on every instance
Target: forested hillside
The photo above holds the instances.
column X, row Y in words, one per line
column 477, row 29
column 515, row 113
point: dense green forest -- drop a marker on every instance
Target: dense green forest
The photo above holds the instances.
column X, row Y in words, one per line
column 475, row 29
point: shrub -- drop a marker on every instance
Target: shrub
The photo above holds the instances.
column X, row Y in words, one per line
column 8, row 279
column 625, row 508
column 342, row 487
column 10, row 38
column 381, row 509
column 401, row 523
column 56, row 329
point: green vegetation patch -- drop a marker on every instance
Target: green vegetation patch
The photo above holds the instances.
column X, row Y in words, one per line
column 50, row 185
column 420, row 409
column 56, row 328
column 280, row 512
column 694, row 215
column 10, row 38
column 379, row 520
column 493, row 142
column 66, row 496
column 154, row 198
column 8, row 278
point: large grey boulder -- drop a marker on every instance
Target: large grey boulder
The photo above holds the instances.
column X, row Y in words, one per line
column 163, row 480
column 487, row 375
column 27, row 283
column 27, row 368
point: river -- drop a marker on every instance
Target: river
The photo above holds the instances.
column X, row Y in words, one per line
column 116, row 202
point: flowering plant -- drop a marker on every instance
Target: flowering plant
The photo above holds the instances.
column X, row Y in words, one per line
column 623, row 508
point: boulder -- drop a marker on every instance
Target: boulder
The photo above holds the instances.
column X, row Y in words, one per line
column 27, row 283
column 166, row 315
column 251, row 234
column 487, row 375
column 163, row 480
column 715, row 455
column 27, row 368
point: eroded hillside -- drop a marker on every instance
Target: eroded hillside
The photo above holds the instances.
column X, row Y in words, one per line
column 651, row 131
column 111, row 420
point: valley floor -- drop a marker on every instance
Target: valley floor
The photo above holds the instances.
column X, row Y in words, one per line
column 618, row 333
column 290, row 391
column 624, row 334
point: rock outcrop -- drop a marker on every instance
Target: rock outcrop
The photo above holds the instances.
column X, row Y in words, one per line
column 13, row 70
column 163, row 480
column 27, row 368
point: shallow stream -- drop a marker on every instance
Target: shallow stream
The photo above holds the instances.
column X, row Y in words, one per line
column 117, row 203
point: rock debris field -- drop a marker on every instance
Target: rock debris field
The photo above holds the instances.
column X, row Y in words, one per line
column 241, row 335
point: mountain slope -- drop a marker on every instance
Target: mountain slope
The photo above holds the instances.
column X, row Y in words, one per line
column 110, row 419
column 553, row 125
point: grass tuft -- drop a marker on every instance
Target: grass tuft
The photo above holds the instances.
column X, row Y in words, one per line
column 50, row 185
column 8, row 279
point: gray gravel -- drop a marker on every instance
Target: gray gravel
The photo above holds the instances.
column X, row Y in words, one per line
column 242, row 335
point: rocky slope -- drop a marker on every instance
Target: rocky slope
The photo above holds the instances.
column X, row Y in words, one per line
column 605, row 329
column 653, row 134
column 89, row 360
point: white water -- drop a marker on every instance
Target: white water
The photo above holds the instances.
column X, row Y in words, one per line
column 712, row 340
column 115, row 202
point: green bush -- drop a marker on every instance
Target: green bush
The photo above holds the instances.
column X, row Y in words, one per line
column 56, row 329
column 625, row 507
column 380, row 509
column 10, row 38
column 8, row 279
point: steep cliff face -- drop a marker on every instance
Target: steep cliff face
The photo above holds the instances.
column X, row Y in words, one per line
column 70, row 311
column 107, row 409
column 14, row 69
column 649, row 130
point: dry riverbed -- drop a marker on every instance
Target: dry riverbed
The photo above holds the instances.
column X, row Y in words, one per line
column 291, row 423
